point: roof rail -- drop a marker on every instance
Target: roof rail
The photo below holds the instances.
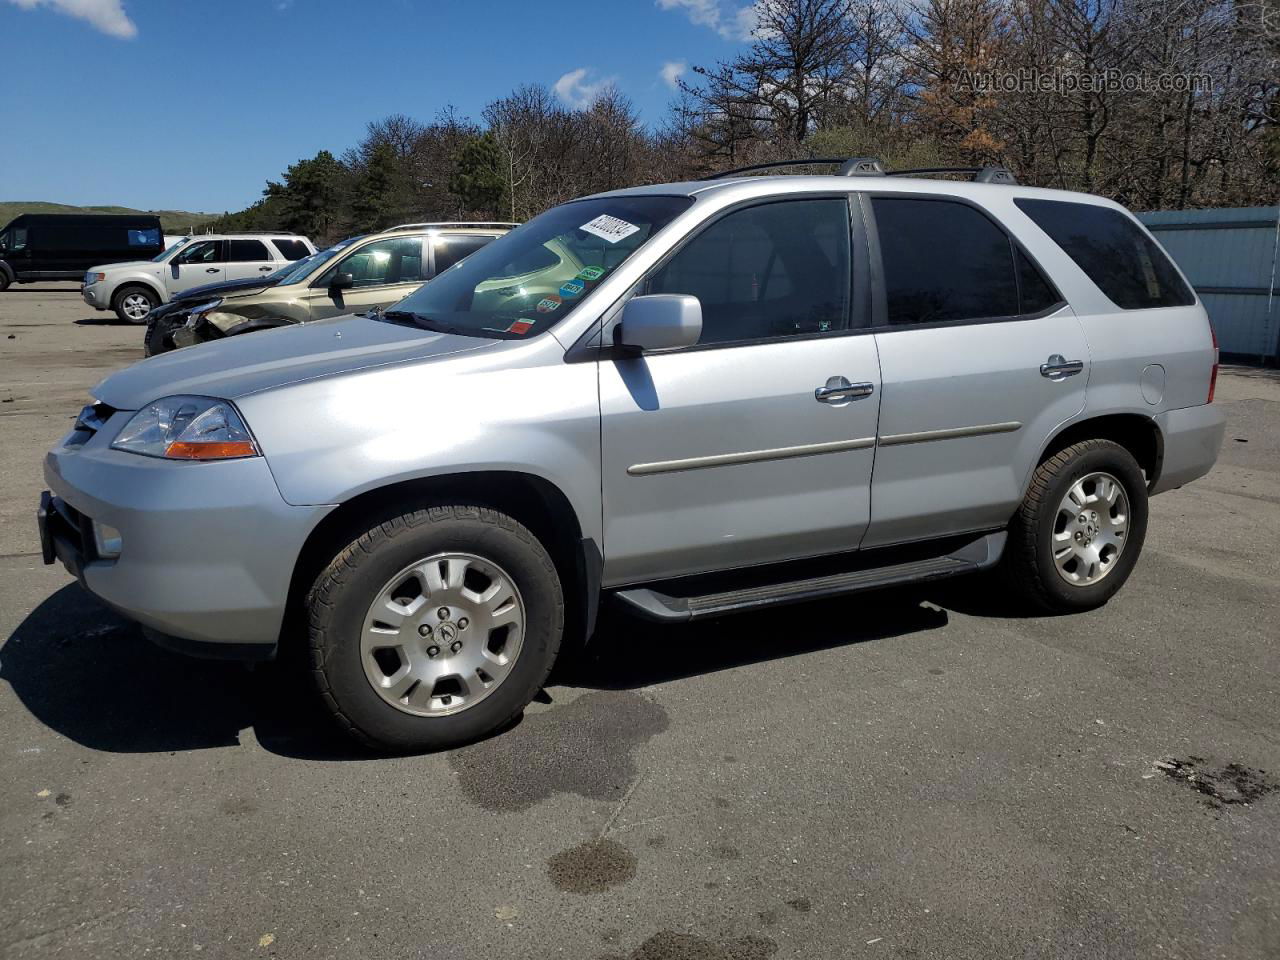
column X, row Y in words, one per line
column 872, row 167
column 990, row 173
column 487, row 224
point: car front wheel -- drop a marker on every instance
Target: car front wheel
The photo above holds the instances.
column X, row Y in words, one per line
column 133, row 304
column 1080, row 529
column 435, row 628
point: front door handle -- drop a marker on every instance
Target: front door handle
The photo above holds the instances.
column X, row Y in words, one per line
column 211, row 270
column 840, row 391
column 264, row 269
column 1057, row 367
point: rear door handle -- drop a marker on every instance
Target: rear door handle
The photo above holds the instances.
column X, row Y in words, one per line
column 211, row 270
column 840, row 391
column 1058, row 367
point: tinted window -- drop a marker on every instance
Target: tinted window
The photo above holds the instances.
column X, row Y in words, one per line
column 1114, row 251
column 149, row 237
column 776, row 270
column 943, row 261
column 1035, row 293
column 243, row 251
column 386, row 261
column 203, row 251
column 291, row 249
column 450, row 248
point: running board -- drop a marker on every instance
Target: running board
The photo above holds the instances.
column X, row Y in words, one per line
column 655, row 605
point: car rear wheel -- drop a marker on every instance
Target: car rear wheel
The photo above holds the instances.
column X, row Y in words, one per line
column 1080, row 529
column 435, row 628
column 132, row 304
column 4, row 281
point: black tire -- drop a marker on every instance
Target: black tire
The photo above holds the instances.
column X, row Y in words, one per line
column 1028, row 561
column 341, row 596
column 4, row 281
column 157, row 338
column 135, row 289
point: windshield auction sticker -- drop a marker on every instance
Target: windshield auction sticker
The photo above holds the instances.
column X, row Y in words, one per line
column 609, row 228
column 548, row 303
column 590, row 274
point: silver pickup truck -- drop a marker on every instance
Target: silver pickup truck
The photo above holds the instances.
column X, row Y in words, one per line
column 697, row 398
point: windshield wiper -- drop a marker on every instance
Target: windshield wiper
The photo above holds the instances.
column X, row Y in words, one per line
column 419, row 320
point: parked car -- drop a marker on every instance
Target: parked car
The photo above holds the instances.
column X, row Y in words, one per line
column 162, row 320
column 61, row 246
column 753, row 391
column 136, row 288
column 362, row 273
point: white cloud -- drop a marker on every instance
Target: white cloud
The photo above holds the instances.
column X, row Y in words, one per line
column 671, row 73
column 578, row 91
column 733, row 23
column 106, row 15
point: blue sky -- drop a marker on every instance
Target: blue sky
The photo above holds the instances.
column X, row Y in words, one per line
column 184, row 104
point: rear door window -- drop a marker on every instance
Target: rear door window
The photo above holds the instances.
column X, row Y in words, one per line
column 944, row 262
column 291, row 249
column 1126, row 264
column 452, row 247
column 247, row 251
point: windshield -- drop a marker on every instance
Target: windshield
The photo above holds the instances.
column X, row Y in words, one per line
column 162, row 257
column 300, row 270
column 532, row 278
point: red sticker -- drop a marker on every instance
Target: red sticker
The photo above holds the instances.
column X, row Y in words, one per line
column 520, row 326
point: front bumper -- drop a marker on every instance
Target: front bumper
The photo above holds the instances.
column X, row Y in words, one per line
column 208, row 549
column 1192, row 439
column 94, row 297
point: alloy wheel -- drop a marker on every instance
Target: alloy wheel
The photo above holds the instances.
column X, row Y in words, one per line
column 442, row 634
column 1089, row 529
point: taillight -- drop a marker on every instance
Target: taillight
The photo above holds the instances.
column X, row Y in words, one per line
column 1213, row 374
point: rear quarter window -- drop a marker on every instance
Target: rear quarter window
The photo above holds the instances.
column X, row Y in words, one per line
column 1115, row 253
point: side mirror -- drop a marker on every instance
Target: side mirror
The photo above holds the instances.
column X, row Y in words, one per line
column 660, row 321
column 342, row 281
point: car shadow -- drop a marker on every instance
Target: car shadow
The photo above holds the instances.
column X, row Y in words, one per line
column 92, row 676
column 627, row 652
column 106, row 320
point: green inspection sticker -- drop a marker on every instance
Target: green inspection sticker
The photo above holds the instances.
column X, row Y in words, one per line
column 591, row 273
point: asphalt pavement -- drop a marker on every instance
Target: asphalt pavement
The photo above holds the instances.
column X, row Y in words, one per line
column 913, row 774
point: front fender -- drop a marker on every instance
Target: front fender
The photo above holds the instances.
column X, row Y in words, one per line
column 520, row 410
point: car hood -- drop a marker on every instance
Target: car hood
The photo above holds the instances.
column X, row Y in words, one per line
column 234, row 287
column 253, row 362
column 125, row 265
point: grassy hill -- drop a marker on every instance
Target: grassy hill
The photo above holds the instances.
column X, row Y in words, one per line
column 173, row 221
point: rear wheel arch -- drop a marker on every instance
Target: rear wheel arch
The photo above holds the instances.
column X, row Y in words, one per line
column 532, row 500
column 1136, row 432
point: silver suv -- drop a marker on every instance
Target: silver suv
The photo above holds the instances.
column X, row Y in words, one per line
column 698, row 398
column 135, row 288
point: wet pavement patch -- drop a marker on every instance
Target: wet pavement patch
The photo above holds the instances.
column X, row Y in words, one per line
column 1230, row 785
column 592, row 867
column 585, row 747
column 800, row 905
column 669, row 945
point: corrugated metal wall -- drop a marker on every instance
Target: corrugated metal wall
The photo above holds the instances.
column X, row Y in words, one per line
column 1229, row 255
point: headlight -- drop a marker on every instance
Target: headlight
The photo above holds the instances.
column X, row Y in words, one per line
column 187, row 428
column 91, row 278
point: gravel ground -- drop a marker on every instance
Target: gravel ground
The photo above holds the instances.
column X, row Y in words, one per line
column 907, row 774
